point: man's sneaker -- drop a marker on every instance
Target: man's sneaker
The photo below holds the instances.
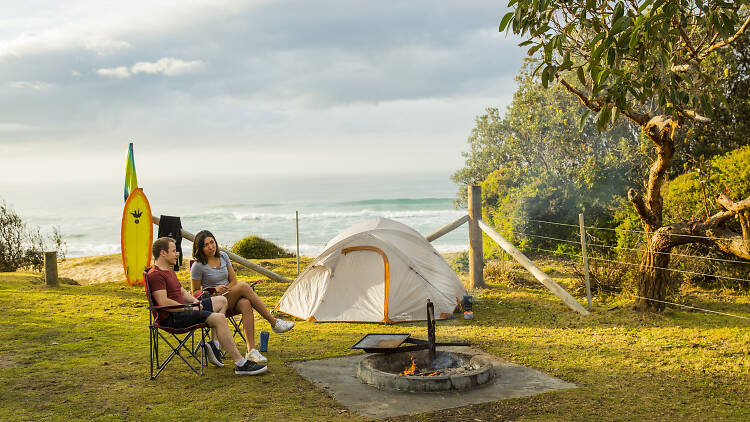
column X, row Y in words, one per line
column 282, row 326
column 255, row 356
column 213, row 354
column 250, row 368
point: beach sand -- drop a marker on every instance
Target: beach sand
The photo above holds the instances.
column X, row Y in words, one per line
column 93, row 269
column 106, row 268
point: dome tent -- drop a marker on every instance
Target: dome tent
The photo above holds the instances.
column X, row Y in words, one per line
column 378, row 270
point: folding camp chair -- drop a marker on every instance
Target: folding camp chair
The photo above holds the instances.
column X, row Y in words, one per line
column 230, row 314
column 156, row 336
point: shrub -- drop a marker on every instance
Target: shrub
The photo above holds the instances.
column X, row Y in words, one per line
column 22, row 246
column 500, row 271
column 11, row 239
column 460, row 263
column 606, row 278
column 254, row 247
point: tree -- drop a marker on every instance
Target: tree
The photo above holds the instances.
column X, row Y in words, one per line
column 533, row 163
column 650, row 62
column 23, row 246
column 12, row 231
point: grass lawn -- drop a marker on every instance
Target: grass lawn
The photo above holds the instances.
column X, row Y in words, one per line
column 81, row 353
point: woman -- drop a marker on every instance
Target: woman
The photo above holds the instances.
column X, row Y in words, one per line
column 212, row 268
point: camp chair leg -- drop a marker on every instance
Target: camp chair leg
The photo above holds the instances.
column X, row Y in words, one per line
column 151, row 349
column 182, row 345
column 237, row 330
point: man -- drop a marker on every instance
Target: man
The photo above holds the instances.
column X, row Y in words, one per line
column 167, row 290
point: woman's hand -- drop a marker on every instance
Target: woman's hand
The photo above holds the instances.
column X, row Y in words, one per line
column 222, row 289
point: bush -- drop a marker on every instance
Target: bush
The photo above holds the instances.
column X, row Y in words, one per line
column 500, row 271
column 22, row 246
column 254, row 247
column 605, row 278
column 460, row 263
column 12, row 233
column 691, row 195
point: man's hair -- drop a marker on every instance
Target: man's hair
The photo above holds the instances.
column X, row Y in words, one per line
column 161, row 244
column 199, row 242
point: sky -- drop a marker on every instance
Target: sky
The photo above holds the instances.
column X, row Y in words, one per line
column 245, row 88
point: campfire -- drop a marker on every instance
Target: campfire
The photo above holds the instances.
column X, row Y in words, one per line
column 419, row 367
column 417, row 371
column 445, row 365
column 410, row 370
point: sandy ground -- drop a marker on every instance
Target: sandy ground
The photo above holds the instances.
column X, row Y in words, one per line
column 106, row 268
column 93, row 269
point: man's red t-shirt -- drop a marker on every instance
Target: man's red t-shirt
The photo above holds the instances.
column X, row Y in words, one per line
column 165, row 280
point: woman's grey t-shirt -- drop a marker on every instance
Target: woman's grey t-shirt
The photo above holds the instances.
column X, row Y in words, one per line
column 210, row 276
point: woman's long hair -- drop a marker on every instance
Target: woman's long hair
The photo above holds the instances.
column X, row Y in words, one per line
column 198, row 244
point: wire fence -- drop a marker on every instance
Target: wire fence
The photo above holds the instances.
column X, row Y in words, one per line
column 603, row 254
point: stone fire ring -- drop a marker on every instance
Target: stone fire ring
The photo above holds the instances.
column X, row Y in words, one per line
column 381, row 371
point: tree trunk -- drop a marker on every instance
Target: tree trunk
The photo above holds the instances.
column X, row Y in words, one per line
column 653, row 280
column 652, row 276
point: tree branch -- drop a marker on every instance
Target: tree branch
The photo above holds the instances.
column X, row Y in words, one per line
column 742, row 210
column 710, row 232
column 728, row 241
column 728, row 204
column 688, row 41
column 727, row 41
column 593, row 104
column 643, row 211
column 692, row 115
column 597, row 103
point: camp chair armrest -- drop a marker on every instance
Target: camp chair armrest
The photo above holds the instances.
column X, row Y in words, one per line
column 185, row 306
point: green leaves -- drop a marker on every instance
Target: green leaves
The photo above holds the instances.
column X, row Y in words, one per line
column 583, row 120
column 504, row 22
column 581, row 76
column 624, row 55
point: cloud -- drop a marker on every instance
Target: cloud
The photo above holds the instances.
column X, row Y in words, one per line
column 38, row 85
column 264, row 78
column 121, row 72
column 58, row 39
column 14, row 127
column 166, row 66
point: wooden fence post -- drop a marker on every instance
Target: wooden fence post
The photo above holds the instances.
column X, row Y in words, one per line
column 476, row 260
column 50, row 269
column 296, row 218
column 585, row 259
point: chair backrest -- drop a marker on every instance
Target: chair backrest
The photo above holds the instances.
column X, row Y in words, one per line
column 151, row 303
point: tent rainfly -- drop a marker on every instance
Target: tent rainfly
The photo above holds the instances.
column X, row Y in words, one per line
column 378, row 270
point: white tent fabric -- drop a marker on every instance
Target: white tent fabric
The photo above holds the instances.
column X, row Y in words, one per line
column 378, row 270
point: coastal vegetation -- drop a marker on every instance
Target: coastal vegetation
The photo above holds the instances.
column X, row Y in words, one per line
column 23, row 246
column 666, row 85
column 251, row 247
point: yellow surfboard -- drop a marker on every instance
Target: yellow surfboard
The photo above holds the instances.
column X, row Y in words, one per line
column 136, row 236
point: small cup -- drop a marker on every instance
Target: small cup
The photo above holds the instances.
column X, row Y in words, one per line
column 264, row 341
column 468, row 315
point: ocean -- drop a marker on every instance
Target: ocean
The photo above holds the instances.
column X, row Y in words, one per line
column 89, row 214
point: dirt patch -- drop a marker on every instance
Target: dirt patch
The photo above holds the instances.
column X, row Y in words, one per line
column 90, row 270
column 7, row 361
